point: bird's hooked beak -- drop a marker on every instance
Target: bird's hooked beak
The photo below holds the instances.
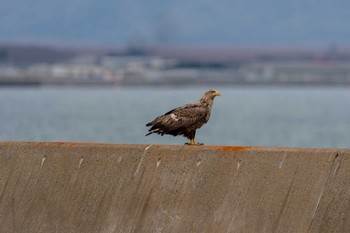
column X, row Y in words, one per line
column 217, row 93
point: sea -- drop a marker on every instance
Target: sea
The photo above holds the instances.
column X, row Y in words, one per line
column 243, row 115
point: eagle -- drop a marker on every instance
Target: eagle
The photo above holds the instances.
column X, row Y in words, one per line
column 185, row 120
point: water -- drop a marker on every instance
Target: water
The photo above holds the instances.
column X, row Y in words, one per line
column 295, row 117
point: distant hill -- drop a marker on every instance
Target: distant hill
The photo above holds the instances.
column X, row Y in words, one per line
column 28, row 54
column 20, row 54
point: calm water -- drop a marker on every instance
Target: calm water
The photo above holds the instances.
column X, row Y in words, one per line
column 297, row 117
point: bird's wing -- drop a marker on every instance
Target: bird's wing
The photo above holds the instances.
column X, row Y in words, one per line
column 183, row 116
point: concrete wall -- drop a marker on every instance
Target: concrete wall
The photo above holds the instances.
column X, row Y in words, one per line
column 80, row 187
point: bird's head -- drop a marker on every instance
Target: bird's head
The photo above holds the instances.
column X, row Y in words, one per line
column 210, row 95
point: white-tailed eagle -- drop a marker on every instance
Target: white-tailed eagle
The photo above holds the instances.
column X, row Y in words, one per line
column 185, row 120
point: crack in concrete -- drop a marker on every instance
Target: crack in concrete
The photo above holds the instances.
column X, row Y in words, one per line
column 143, row 155
column 325, row 186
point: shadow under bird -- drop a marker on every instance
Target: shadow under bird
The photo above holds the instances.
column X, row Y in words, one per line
column 185, row 120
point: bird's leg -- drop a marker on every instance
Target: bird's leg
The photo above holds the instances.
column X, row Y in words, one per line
column 192, row 142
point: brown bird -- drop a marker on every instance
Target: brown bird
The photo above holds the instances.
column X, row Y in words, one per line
column 185, row 120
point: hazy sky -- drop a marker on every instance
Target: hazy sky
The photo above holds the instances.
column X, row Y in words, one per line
column 236, row 23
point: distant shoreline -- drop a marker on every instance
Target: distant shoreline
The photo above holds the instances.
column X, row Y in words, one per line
column 25, row 83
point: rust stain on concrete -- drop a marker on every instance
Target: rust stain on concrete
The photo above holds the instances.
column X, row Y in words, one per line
column 231, row 148
column 70, row 144
column 36, row 144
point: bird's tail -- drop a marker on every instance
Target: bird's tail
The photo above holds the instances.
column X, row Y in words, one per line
column 150, row 130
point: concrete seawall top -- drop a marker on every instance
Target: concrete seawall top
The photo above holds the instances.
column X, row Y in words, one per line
column 89, row 187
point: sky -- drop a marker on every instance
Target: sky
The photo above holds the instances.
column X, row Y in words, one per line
column 234, row 23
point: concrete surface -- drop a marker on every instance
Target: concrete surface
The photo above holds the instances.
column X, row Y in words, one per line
column 86, row 187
